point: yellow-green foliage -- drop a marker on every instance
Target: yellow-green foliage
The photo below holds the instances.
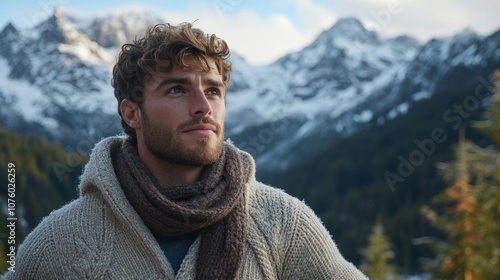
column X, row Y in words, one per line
column 377, row 256
column 46, row 178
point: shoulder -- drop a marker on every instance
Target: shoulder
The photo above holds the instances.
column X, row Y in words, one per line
column 64, row 241
column 298, row 245
column 285, row 221
column 73, row 216
column 270, row 204
column 290, row 221
column 37, row 250
column 278, row 219
column 267, row 204
column 51, row 225
column 76, row 224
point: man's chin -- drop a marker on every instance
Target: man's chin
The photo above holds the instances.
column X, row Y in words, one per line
column 205, row 151
column 207, row 142
column 201, row 158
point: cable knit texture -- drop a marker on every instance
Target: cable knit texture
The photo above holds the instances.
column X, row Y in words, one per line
column 101, row 236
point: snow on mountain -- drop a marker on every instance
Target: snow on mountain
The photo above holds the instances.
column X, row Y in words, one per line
column 120, row 27
column 320, row 91
column 32, row 96
column 436, row 57
column 58, row 74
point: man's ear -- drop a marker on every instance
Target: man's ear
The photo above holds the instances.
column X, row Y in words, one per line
column 130, row 113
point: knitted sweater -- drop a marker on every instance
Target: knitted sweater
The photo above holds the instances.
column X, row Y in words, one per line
column 100, row 236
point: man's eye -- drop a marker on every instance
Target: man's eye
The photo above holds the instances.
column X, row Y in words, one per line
column 174, row 90
column 213, row 92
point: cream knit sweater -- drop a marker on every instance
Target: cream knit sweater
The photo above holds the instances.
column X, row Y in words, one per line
column 100, row 236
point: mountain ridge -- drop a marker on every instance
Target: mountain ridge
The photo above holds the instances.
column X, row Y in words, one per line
column 340, row 83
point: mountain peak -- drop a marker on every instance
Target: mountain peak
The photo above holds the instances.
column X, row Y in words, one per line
column 121, row 26
column 352, row 29
column 405, row 40
column 467, row 33
column 349, row 22
column 58, row 17
column 9, row 29
column 8, row 36
column 59, row 12
column 53, row 28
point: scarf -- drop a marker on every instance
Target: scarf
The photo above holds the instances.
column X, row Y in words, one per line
column 215, row 206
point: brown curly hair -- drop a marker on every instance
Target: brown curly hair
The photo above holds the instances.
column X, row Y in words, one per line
column 162, row 47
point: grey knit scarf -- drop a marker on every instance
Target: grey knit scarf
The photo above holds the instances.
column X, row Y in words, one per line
column 215, row 206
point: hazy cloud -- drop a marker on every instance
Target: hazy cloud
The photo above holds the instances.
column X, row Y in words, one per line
column 264, row 30
column 264, row 39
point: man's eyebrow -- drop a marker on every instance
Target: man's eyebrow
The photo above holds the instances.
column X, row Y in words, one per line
column 214, row 83
column 186, row 81
column 173, row 80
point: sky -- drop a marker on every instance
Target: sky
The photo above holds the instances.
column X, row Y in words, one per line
column 264, row 30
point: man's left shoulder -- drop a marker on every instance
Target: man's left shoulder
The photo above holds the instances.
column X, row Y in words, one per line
column 270, row 205
column 262, row 196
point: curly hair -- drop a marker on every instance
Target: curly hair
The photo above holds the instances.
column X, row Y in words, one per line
column 162, row 47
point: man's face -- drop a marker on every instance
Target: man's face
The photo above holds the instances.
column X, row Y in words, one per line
column 182, row 116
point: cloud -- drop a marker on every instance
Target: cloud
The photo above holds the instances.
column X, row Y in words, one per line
column 260, row 40
column 423, row 19
column 264, row 30
column 313, row 16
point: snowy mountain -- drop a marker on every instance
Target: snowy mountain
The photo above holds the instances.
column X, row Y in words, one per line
column 55, row 78
column 122, row 26
column 314, row 95
column 349, row 79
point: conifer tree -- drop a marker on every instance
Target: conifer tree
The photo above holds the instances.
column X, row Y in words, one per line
column 488, row 188
column 471, row 218
column 454, row 260
column 377, row 255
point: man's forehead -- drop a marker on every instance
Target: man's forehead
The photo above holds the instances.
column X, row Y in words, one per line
column 190, row 63
column 189, row 71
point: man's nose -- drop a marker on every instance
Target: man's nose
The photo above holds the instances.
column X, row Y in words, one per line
column 199, row 104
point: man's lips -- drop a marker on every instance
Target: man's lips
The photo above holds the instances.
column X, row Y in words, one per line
column 201, row 129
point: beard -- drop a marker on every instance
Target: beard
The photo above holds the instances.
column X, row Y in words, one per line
column 165, row 143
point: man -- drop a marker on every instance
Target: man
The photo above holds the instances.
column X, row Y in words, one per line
column 172, row 200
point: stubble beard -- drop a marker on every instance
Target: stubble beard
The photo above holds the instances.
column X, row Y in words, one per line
column 165, row 143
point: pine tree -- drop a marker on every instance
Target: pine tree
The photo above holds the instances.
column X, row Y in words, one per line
column 455, row 256
column 488, row 188
column 471, row 219
column 377, row 255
